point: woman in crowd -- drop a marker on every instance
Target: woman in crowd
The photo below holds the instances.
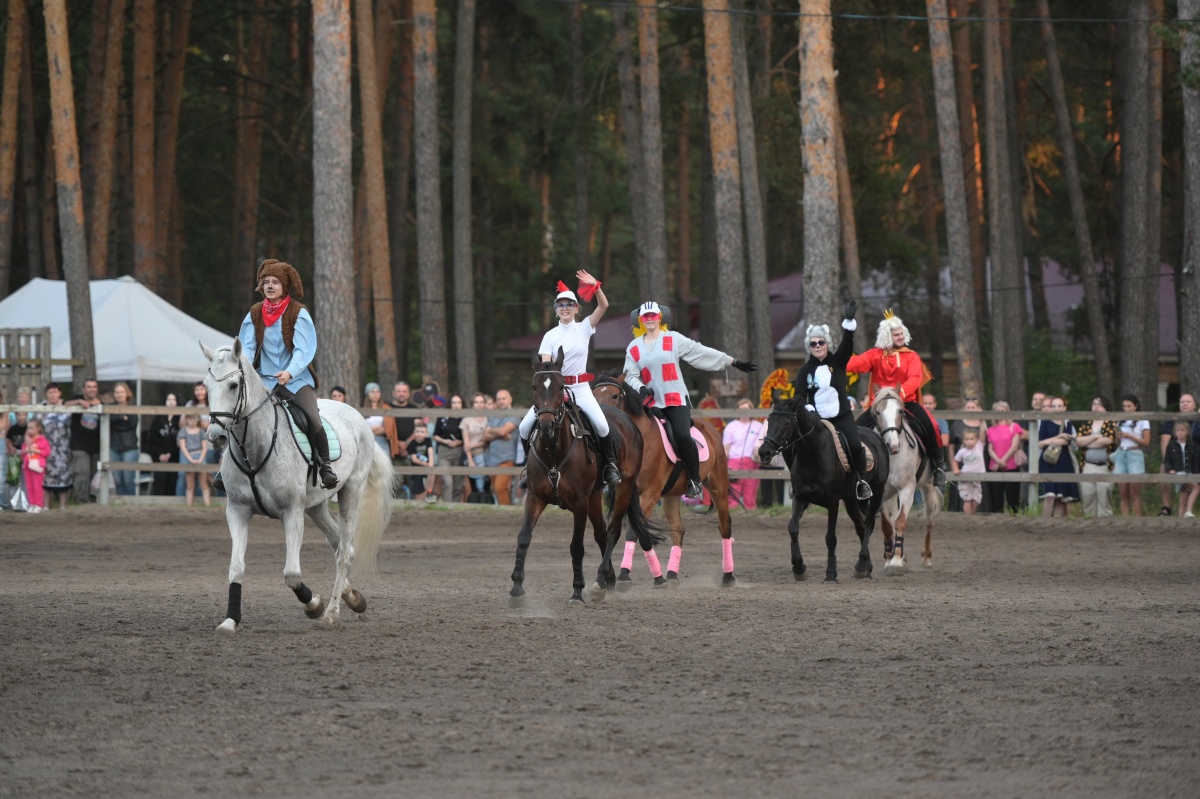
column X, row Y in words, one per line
column 1005, row 454
column 58, row 479
column 200, row 400
column 1130, row 458
column 1096, row 441
column 1054, row 439
column 742, row 438
column 123, row 440
column 448, row 443
column 161, row 444
column 373, row 398
column 474, row 449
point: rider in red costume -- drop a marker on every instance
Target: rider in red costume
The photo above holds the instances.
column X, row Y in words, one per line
column 890, row 363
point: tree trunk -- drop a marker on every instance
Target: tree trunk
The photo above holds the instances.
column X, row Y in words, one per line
column 29, row 163
column 762, row 343
column 49, row 209
column 972, row 159
column 956, row 204
column 849, row 225
column 145, row 248
column 377, row 250
column 165, row 224
column 1083, row 237
column 683, row 193
column 430, row 264
column 1189, row 289
column 333, row 196
column 248, row 127
column 97, row 57
column 578, row 101
column 822, row 302
column 1138, row 355
column 402, row 153
column 929, row 228
column 466, row 369
column 14, row 51
column 1154, row 200
column 1008, row 352
column 631, row 122
column 70, row 197
column 652, row 152
column 105, row 143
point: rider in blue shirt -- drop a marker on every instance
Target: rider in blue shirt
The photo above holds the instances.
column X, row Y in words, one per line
column 279, row 338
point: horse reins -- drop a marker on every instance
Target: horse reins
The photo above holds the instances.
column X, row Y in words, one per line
column 237, row 418
column 899, row 428
column 552, row 471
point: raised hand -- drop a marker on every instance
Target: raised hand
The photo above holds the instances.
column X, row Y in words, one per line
column 850, row 310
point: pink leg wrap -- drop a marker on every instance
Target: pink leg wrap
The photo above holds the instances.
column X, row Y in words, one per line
column 673, row 561
column 727, row 555
column 652, row 559
column 627, row 558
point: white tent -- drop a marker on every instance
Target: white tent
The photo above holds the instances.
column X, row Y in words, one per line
column 138, row 335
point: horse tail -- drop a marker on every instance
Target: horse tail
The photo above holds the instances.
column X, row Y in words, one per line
column 648, row 533
column 933, row 499
column 375, row 510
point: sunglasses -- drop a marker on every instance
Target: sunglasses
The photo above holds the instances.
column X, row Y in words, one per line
column 653, row 317
column 560, row 306
column 812, row 345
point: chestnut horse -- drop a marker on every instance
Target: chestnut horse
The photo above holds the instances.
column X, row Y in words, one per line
column 564, row 471
column 655, row 473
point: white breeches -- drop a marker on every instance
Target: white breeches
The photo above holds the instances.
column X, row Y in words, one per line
column 586, row 402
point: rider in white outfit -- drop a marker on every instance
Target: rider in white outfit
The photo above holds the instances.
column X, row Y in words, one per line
column 575, row 338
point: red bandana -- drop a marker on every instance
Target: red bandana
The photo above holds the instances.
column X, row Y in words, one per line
column 273, row 310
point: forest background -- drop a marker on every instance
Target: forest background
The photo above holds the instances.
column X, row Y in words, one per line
column 432, row 168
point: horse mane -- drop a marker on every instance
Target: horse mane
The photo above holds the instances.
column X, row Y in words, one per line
column 633, row 402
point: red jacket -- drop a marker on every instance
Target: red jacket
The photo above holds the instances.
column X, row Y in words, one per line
column 903, row 369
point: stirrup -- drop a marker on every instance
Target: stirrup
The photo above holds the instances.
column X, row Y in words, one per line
column 863, row 490
column 218, row 483
column 939, row 477
column 523, row 483
column 329, row 478
column 694, row 489
column 612, row 475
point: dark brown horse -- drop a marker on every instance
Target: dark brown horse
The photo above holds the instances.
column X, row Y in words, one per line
column 657, row 471
column 563, row 470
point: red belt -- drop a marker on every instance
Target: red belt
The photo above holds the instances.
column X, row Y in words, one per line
column 586, row 377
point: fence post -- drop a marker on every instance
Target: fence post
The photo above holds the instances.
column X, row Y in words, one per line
column 102, row 497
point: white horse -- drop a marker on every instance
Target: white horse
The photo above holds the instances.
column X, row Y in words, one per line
column 264, row 472
column 910, row 472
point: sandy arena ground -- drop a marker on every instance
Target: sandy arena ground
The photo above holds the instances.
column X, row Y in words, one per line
column 1036, row 658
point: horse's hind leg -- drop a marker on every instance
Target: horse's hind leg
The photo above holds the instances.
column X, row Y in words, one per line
column 863, row 567
column 238, row 518
column 671, row 506
column 927, row 555
column 725, row 525
column 606, row 537
column 581, row 518
column 798, row 508
column 293, row 536
column 333, row 531
column 831, row 544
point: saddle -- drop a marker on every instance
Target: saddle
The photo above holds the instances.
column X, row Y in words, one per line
column 840, row 444
column 665, row 431
column 299, row 425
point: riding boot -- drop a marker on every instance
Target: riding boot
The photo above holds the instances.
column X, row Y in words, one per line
column 612, row 475
column 320, row 450
column 691, row 460
column 938, row 459
column 524, row 482
column 863, row 489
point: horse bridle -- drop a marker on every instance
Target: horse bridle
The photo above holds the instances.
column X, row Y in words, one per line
column 558, row 414
column 236, row 417
column 789, row 434
column 898, row 429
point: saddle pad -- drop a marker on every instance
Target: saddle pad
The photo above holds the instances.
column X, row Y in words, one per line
column 839, row 443
column 697, row 436
column 335, row 446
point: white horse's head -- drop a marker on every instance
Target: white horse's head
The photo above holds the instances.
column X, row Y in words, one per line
column 226, row 385
column 888, row 410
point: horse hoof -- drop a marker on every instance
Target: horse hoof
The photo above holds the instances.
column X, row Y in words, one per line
column 624, row 577
column 354, row 600
column 660, row 581
column 673, row 576
column 575, row 600
column 227, row 627
column 895, row 567
column 800, row 576
column 830, row 579
column 927, row 562
column 598, row 592
column 517, row 591
column 862, row 575
column 728, row 580
column 315, row 607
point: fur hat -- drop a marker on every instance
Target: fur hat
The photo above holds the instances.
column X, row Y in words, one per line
column 287, row 274
column 816, row 331
column 890, row 322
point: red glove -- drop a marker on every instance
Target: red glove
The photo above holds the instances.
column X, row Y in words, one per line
column 586, row 292
column 647, row 396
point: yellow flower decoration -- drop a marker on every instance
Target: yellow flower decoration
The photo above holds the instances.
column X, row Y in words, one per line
column 777, row 380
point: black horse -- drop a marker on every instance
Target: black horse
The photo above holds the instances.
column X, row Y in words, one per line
column 563, row 470
column 818, row 478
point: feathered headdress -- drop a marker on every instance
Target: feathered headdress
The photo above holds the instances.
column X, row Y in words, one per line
column 777, row 380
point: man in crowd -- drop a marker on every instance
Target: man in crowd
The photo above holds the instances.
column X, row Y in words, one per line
column 1029, row 490
column 400, row 429
column 500, row 436
column 85, row 441
column 1187, row 404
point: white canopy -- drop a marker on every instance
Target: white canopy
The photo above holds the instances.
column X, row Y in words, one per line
column 138, row 335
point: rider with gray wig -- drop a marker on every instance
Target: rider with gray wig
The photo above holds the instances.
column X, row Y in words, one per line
column 823, row 381
column 278, row 336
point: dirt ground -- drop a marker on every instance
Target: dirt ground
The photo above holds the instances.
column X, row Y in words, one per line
column 1036, row 658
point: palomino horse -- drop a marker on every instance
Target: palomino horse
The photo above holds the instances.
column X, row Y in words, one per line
column 819, row 479
column 911, row 472
column 656, row 471
column 265, row 473
column 564, row 471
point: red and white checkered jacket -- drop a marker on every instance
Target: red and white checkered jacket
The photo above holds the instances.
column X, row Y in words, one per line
column 656, row 364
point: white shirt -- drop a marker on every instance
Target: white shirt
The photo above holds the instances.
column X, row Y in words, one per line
column 1130, row 426
column 826, row 398
column 575, row 339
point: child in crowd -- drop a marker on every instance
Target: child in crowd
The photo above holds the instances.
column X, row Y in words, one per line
column 34, row 453
column 420, row 452
column 194, row 448
column 1181, row 458
column 972, row 457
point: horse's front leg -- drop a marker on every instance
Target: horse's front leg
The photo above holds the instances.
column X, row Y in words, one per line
column 533, row 511
column 863, row 568
column 927, row 555
column 831, row 544
column 238, row 518
column 897, row 565
column 581, row 518
column 798, row 508
column 606, row 536
column 293, row 537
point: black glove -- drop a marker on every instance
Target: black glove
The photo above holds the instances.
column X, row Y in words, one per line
column 647, row 396
column 745, row 366
column 851, row 310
